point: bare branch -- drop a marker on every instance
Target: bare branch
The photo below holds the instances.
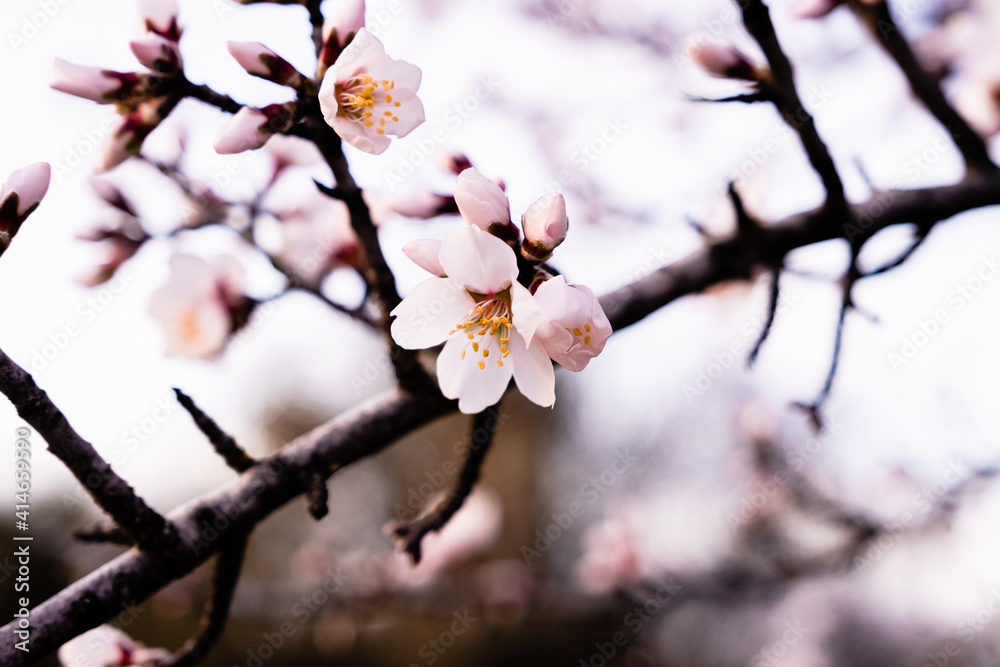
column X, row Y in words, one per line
column 878, row 19
column 781, row 89
column 111, row 493
column 227, row 575
column 225, row 445
column 411, row 535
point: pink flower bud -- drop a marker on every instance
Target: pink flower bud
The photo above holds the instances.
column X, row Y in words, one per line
column 19, row 196
column 341, row 25
column 250, row 128
column 722, row 61
column 425, row 253
column 91, row 83
column 545, row 225
column 481, row 201
column 157, row 53
column 261, row 61
column 127, row 138
column 29, row 184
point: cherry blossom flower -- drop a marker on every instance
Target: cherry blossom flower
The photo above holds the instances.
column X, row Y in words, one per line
column 315, row 237
column 545, row 225
column 367, row 96
column 612, row 554
column 250, row 128
column 19, row 197
column 481, row 201
column 106, row 646
column 196, row 305
column 262, row 62
column 478, row 312
column 573, row 327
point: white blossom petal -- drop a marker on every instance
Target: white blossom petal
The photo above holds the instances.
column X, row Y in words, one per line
column 460, row 376
column 533, row 371
column 478, row 260
column 425, row 253
column 428, row 313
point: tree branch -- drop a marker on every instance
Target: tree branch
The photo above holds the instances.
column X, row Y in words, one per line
column 879, row 21
column 111, row 493
column 224, row 444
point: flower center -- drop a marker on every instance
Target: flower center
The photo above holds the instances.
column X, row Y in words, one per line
column 368, row 101
column 486, row 325
column 579, row 335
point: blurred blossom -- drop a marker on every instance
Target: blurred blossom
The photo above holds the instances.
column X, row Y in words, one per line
column 507, row 588
column 367, row 96
column 121, row 240
column 722, row 61
column 106, row 646
column 418, row 205
column 813, row 9
column 196, row 306
column 315, row 237
column 456, row 163
column 288, row 151
column 157, row 53
column 133, row 128
column 612, row 557
column 473, row 530
column 160, row 17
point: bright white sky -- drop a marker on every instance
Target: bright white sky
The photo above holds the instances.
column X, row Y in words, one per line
column 667, row 160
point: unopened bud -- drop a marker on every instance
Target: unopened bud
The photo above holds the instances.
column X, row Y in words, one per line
column 545, row 225
column 261, row 61
column 250, row 128
column 19, row 197
column 157, row 53
column 340, row 27
column 481, row 202
column 723, row 61
column 93, row 83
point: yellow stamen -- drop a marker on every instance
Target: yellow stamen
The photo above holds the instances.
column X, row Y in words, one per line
column 475, row 347
column 481, row 365
column 469, row 335
column 577, row 332
column 586, row 341
column 486, row 352
column 586, row 327
column 463, row 355
column 499, row 363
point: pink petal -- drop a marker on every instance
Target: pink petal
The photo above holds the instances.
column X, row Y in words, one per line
column 245, row 131
column 481, row 201
column 475, row 388
column 425, row 253
column 83, row 81
column 533, row 371
column 30, row 183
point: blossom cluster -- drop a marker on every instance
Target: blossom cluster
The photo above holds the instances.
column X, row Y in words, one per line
column 499, row 312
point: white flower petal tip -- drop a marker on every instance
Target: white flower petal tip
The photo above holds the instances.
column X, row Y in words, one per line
column 481, row 201
column 425, row 254
column 366, row 96
column 250, row 128
column 157, row 53
column 545, row 225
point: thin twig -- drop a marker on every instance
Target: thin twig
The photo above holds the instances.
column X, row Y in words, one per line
column 921, row 236
column 757, row 20
column 877, row 17
column 772, row 308
column 111, row 493
column 225, row 445
column 411, row 535
column 104, row 534
column 227, row 575
column 318, row 496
